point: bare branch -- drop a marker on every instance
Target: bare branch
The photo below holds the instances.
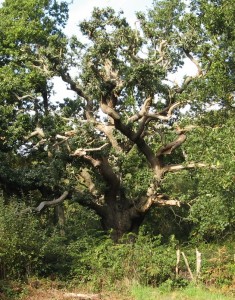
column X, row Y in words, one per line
column 44, row 204
column 82, row 296
column 157, row 199
column 38, row 131
column 165, row 114
column 24, row 97
column 188, row 79
column 192, row 165
column 161, row 52
column 82, row 151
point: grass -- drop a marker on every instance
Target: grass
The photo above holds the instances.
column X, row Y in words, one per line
column 188, row 293
column 47, row 290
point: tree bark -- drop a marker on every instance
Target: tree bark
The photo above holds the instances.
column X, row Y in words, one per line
column 120, row 221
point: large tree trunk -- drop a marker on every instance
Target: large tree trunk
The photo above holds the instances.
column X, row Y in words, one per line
column 121, row 220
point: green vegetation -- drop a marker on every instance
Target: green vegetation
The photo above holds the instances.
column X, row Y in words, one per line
column 101, row 191
column 192, row 292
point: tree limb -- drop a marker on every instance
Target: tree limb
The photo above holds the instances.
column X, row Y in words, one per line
column 157, row 199
column 167, row 149
column 74, row 86
column 142, row 112
column 38, row 131
column 165, row 114
column 192, row 165
column 188, row 79
column 83, row 151
column 193, row 60
column 44, row 204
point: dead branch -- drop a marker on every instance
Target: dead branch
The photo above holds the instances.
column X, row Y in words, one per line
column 23, row 97
column 161, row 52
column 189, row 79
column 177, row 262
column 187, row 265
column 192, row 165
column 51, row 203
column 44, row 204
column 74, row 86
column 198, row 263
column 83, row 151
column 38, row 131
column 41, row 142
column 70, row 133
column 157, row 199
column 164, row 115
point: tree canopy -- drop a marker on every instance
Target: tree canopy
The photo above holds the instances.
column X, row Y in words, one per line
column 132, row 139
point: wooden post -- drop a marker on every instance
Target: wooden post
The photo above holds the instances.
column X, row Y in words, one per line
column 177, row 262
column 198, row 263
column 187, row 265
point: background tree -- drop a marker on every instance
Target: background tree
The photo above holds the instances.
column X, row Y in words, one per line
column 118, row 145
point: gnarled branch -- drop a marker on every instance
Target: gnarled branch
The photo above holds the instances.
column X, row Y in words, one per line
column 45, row 204
column 156, row 199
column 167, row 149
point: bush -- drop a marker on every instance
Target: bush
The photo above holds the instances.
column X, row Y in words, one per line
column 21, row 241
column 99, row 261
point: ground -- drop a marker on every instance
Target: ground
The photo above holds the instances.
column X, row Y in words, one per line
column 54, row 294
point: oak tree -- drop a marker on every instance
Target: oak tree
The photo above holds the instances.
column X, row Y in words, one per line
column 128, row 131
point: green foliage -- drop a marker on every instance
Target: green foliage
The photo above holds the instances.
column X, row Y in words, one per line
column 21, row 241
column 218, row 264
column 98, row 261
column 191, row 292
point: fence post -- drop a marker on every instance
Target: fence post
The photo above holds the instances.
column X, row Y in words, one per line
column 177, row 262
column 198, row 263
column 187, row 265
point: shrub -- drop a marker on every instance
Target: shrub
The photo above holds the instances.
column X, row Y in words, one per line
column 21, row 241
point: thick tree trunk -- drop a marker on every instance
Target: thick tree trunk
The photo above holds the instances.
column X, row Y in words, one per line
column 59, row 218
column 120, row 221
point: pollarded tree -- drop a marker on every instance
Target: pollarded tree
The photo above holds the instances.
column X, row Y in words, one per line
column 112, row 147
